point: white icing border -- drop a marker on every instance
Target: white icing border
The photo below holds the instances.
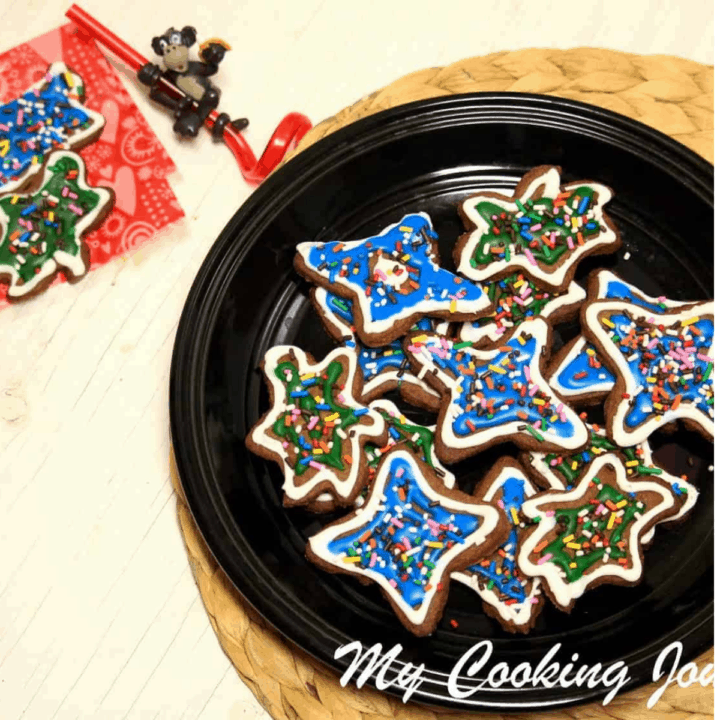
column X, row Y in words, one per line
column 551, row 180
column 74, row 263
column 685, row 411
column 320, row 294
column 538, row 328
column 563, row 592
column 536, row 462
column 488, row 515
column 363, row 433
column 517, row 613
column 98, row 122
column 468, row 333
column 424, row 307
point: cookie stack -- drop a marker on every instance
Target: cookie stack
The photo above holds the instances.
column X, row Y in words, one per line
column 577, row 505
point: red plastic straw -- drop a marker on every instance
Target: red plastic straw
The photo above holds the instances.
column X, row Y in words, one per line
column 286, row 136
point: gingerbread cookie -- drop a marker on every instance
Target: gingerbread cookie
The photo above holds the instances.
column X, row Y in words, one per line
column 408, row 537
column 516, row 299
column 663, row 364
column 543, row 230
column 492, row 396
column 559, row 472
column 42, row 232
column 48, row 116
column 591, row 535
column 394, row 280
column 576, row 371
column 385, row 368
column 509, row 596
column 316, row 428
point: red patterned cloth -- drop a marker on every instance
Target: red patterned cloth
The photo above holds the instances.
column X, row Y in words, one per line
column 127, row 157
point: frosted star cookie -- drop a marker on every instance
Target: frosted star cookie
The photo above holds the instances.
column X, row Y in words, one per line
column 385, row 368
column 591, row 535
column 316, row 429
column 543, row 230
column 408, row 537
column 663, row 364
column 494, row 396
column 507, row 594
column 394, row 280
column 48, row 116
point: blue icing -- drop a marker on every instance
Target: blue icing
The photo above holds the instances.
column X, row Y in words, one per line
column 504, row 575
column 641, row 367
column 566, row 380
column 619, row 290
column 373, row 361
column 475, row 388
column 406, row 245
column 54, row 103
column 414, row 528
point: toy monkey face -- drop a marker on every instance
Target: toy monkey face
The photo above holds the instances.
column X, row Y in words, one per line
column 174, row 46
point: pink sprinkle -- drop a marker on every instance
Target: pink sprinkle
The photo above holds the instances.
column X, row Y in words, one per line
column 315, row 465
column 534, row 601
column 394, row 521
column 570, row 243
column 704, row 358
column 544, row 559
column 432, row 523
column 499, row 330
column 392, row 583
column 285, row 444
column 533, row 390
column 373, row 559
column 526, row 293
column 560, row 407
column 407, row 544
column 65, row 191
column 381, row 274
column 527, row 372
column 563, row 417
column 537, row 424
column 536, row 227
column 518, row 300
column 74, row 208
column 400, row 472
column 20, row 117
column 414, row 349
column 550, row 513
column 501, row 504
column 530, row 257
column 4, row 127
column 341, row 398
column 652, row 343
column 554, row 462
column 599, row 509
column 313, row 422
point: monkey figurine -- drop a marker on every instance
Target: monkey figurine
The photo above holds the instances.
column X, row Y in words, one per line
column 199, row 96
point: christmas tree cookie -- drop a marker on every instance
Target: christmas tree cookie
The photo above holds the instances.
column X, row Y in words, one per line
column 316, row 428
column 591, row 535
column 394, row 280
column 408, row 537
column 507, row 594
column 543, row 230
column 48, row 116
column 43, row 231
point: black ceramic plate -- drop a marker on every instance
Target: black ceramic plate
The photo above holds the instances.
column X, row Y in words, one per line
column 246, row 298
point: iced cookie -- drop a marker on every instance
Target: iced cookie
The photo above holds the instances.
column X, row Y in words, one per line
column 408, row 537
column 558, row 472
column 394, row 280
column 509, row 596
column 663, row 365
column 48, row 116
column 516, row 299
column 42, row 231
column 316, row 428
column 543, row 230
column 494, row 396
column 576, row 371
column 591, row 535
column 385, row 368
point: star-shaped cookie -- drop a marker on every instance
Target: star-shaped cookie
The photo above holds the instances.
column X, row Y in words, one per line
column 316, row 428
column 492, row 396
column 509, row 596
column 576, row 372
column 515, row 299
column 559, row 472
column 385, row 368
column 663, row 363
column 408, row 537
column 591, row 535
column 543, row 230
column 394, row 280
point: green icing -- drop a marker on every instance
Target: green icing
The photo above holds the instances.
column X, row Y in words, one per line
column 312, row 401
column 37, row 243
column 510, row 232
column 418, row 438
column 570, row 522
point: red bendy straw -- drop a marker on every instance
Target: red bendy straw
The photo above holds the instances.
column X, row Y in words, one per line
column 286, row 136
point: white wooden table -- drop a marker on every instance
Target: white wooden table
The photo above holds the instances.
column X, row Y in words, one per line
column 99, row 615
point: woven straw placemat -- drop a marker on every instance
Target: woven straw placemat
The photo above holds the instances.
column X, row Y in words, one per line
column 670, row 94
